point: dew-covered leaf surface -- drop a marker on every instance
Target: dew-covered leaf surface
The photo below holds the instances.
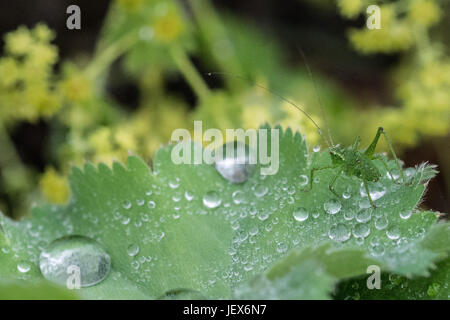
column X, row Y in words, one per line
column 185, row 227
column 433, row 287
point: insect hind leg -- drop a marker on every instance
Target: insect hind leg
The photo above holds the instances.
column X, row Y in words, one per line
column 397, row 162
column 330, row 186
column 333, row 181
column 311, row 177
column 368, row 194
column 385, row 165
column 371, row 149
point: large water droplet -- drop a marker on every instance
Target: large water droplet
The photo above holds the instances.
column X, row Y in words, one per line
column 234, row 167
column 339, row 232
column 332, row 206
column 84, row 253
column 212, row 199
column 301, row 214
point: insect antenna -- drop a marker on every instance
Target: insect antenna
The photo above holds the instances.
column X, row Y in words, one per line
column 310, row 74
column 228, row 74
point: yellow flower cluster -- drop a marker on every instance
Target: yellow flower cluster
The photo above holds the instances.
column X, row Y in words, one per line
column 297, row 121
column 425, row 110
column 253, row 116
column 350, row 8
column 424, row 12
column 394, row 35
column 168, row 24
column 75, row 86
column 54, row 186
column 398, row 30
column 426, row 97
column 114, row 142
column 26, row 86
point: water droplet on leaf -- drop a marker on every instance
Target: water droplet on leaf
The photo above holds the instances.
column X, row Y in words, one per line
column 86, row 254
column 260, row 190
column 234, row 167
column 332, row 206
column 381, row 223
column 361, row 230
column 339, row 232
column 126, row 204
column 239, row 197
column 364, row 215
column 133, row 250
column 24, row 266
column 405, row 214
column 301, row 214
column 393, row 233
column 303, row 180
column 212, row 199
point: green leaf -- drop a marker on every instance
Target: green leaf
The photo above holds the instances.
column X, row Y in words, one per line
column 185, row 245
column 435, row 286
column 35, row 291
column 303, row 281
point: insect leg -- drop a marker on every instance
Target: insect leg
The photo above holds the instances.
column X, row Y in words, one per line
column 383, row 161
column 368, row 194
column 371, row 149
column 333, row 181
column 397, row 162
column 311, row 176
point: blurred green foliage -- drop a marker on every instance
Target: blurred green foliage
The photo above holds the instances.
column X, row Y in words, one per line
column 156, row 38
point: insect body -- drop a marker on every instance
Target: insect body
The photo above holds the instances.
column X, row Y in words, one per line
column 353, row 162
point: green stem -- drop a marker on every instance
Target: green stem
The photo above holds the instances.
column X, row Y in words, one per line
column 189, row 72
column 213, row 31
column 105, row 57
